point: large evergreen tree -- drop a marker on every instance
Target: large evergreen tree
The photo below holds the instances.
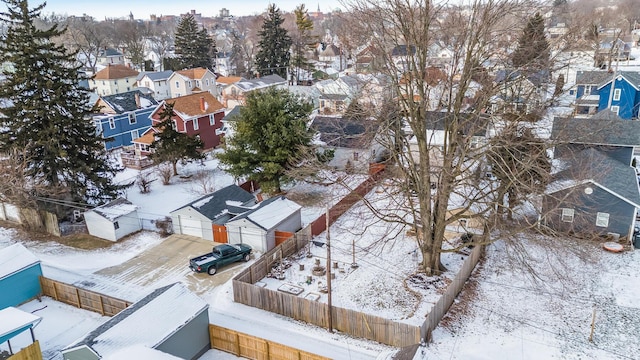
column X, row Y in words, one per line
column 46, row 113
column 193, row 45
column 532, row 52
column 171, row 145
column 270, row 133
column 273, row 56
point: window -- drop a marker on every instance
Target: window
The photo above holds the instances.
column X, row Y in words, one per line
column 132, row 118
column 115, row 82
column 356, row 156
column 174, row 125
column 126, row 80
column 616, row 94
column 146, row 84
column 615, row 109
column 196, row 125
column 207, row 82
column 177, row 85
column 567, row 215
column 135, row 134
column 198, row 83
column 116, row 225
column 587, row 90
column 112, row 123
column 212, row 119
column 602, row 219
column 189, row 84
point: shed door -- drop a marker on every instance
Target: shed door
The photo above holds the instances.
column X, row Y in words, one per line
column 219, row 233
column 191, row 227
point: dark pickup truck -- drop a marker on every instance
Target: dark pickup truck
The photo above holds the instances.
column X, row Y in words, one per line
column 220, row 256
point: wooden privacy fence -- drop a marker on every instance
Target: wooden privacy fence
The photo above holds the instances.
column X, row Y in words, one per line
column 440, row 308
column 81, row 298
column 251, row 347
column 31, row 352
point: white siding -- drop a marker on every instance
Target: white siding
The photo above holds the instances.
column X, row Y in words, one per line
column 245, row 232
column 99, row 226
column 128, row 224
column 191, row 216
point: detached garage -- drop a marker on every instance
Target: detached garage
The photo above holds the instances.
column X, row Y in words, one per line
column 257, row 227
column 114, row 220
column 20, row 273
column 171, row 320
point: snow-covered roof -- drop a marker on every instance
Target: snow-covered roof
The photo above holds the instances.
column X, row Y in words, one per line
column 271, row 212
column 148, row 322
column 15, row 258
column 115, row 209
column 13, row 321
column 260, row 83
column 140, row 352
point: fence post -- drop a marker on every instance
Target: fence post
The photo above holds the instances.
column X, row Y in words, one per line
column 78, row 297
column 101, row 306
column 238, row 344
column 55, row 291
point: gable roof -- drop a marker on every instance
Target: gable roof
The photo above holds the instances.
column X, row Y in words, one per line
column 126, row 102
column 260, row 83
column 270, row 212
column 606, row 114
column 227, row 80
column 216, row 204
column 156, row 75
column 14, row 258
column 110, row 52
column 115, row 209
column 163, row 312
column 470, row 124
column 403, row 50
column 115, row 71
column 330, row 50
column 344, row 132
column 195, row 73
column 190, row 105
column 591, row 165
column 632, row 77
column 233, row 114
column 592, row 77
column 599, row 132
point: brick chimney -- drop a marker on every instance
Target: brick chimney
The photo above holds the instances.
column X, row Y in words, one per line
column 202, row 104
column 136, row 96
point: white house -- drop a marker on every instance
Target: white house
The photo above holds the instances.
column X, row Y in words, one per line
column 114, row 220
column 157, row 82
column 189, row 81
column 114, row 79
column 257, row 227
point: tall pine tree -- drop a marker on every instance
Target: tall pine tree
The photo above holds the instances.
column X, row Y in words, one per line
column 273, row 56
column 46, row 113
column 194, row 46
column 532, row 52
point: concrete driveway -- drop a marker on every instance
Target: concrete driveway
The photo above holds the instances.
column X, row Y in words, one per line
column 168, row 262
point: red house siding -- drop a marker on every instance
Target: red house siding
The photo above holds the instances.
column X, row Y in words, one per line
column 207, row 132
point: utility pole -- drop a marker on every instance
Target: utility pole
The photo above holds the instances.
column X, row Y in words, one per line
column 329, row 311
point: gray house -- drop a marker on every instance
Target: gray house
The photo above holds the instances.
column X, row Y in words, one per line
column 171, row 319
column 595, row 190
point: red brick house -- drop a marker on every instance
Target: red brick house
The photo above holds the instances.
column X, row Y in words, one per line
column 198, row 114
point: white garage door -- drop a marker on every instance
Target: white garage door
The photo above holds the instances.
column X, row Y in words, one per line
column 191, row 227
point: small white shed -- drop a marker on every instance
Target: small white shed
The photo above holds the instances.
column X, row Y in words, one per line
column 114, row 220
column 257, row 227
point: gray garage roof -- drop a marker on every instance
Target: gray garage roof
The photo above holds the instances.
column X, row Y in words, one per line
column 218, row 203
column 597, row 132
column 270, row 212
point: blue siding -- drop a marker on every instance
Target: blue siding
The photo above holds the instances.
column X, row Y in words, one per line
column 628, row 102
column 120, row 135
column 581, row 89
column 20, row 287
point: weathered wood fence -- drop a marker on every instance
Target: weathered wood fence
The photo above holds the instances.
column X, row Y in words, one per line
column 81, row 298
column 251, row 347
column 31, row 352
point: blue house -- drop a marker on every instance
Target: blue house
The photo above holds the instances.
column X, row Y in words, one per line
column 19, row 276
column 625, row 99
column 123, row 117
column 594, row 189
column 586, row 90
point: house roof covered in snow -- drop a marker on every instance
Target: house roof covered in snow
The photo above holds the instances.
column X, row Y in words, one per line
column 632, row 77
column 270, row 212
column 147, row 322
column 125, row 102
column 215, row 204
column 14, row 258
column 156, row 75
column 115, row 209
column 115, row 71
column 601, row 132
column 260, row 83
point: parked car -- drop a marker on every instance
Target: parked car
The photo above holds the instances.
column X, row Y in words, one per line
column 220, row 256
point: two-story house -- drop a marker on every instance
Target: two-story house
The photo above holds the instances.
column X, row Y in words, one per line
column 197, row 115
column 234, row 94
column 157, row 82
column 519, row 92
column 122, row 118
column 110, row 56
column 586, row 91
column 189, row 81
column 224, row 81
column 114, row 79
column 621, row 95
column 594, row 189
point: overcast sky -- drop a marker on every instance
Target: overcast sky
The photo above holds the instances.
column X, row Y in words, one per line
column 141, row 9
